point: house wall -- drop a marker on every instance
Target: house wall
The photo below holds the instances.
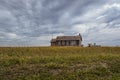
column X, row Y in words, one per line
column 63, row 43
column 80, row 42
column 59, row 43
column 73, row 43
column 66, row 43
column 53, row 44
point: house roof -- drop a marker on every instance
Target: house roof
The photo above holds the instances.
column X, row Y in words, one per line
column 69, row 38
column 79, row 37
column 53, row 40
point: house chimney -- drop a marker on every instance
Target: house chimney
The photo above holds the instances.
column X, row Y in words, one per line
column 80, row 36
column 80, row 41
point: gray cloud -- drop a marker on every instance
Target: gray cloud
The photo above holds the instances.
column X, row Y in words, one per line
column 32, row 22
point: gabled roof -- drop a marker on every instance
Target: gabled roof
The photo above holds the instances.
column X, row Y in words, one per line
column 69, row 38
column 53, row 40
column 79, row 37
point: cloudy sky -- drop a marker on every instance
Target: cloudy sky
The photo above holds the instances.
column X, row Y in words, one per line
column 32, row 22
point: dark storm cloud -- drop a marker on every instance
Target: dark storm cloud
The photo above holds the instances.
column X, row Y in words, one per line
column 32, row 22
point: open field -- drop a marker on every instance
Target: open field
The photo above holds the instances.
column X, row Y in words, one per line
column 60, row 63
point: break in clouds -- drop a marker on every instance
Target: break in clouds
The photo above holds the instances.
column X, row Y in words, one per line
column 32, row 22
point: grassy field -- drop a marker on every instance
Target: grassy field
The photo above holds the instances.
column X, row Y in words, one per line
column 60, row 63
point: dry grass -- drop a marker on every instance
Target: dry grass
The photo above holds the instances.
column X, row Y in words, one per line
column 60, row 63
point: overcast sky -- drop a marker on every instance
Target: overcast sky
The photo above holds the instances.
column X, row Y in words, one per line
column 32, row 22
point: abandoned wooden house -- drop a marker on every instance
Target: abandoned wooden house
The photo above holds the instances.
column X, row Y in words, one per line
column 67, row 41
